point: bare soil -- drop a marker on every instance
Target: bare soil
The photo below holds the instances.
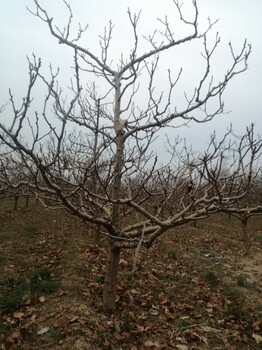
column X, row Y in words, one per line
column 197, row 288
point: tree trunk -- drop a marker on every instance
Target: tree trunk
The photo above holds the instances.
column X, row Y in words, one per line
column 112, row 265
column 27, row 201
column 113, row 254
column 16, row 203
column 97, row 236
column 245, row 230
column 194, row 223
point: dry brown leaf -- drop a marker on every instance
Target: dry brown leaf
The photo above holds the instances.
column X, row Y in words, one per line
column 13, row 337
column 257, row 337
column 155, row 344
column 181, row 347
column 81, row 321
column 123, row 262
column 18, row 314
column 134, row 291
column 9, row 319
column 208, row 329
column 33, row 317
column 209, row 310
column 184, row 317
column 43, row 330
column 60, row 292
column 73, row 319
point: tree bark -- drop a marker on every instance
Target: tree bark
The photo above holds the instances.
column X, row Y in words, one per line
column 96, row 236
column 245, row 230
column 112, row 267
column 113, row 253
column 16, row 203
column 27, row 201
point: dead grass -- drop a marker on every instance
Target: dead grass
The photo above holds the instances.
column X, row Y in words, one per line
column 186, row 293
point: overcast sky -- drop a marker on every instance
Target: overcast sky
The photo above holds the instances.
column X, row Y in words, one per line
column 21, row 34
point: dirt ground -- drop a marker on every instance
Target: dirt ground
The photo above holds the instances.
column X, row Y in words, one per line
column 197, row 288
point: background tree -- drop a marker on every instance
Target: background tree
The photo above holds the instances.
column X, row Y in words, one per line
column 105, row 172
column 13, row 177
column 246, row 208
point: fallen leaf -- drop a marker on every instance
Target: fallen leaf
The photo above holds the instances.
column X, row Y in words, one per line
column 150, row 343
column 73, row 319
column 258, row 338
column 123, row 262
column 61, row 322
column 134, row 291
column 179, row 339
column 60, row 293
column 13, row 337
column 181, row 347
column 18, row 314
column 81, row 321
column 43, row 330
column 154, row 312
column 42, row 299
column 208, row 329
column 9, row 319
column 184, row 318
column 256, row 326
column 209, row 311
column 220, row 322
column 33, row 317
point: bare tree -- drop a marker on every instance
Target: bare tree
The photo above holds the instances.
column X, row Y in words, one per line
column 105, row 172
column 13, row 178
column 246, row 208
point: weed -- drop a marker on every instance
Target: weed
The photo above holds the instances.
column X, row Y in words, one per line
column 83, row 268
column 41, row 282
column 31, row 231
column 232, row 292
column 127, row 321
column 242, row 281
column 6, row 203
column 211, row 277
column 216, row 342
column 258, row 237
column 229, row 245
column 127, row 277
column 172, row 253
column 192, row 299
column 100, row 279
column 2, row 257
column 168, row 278
column 181, row 323
column 237, row 302
column 13, row 294
column 56, row 335
column 237, row 307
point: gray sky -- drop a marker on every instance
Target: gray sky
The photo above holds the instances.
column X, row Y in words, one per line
column 21, row 34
